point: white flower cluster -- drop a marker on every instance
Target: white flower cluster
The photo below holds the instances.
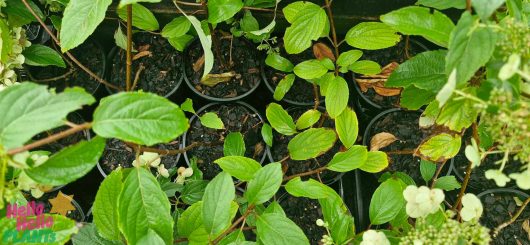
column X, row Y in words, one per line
column 153, row 159
column 373, row 237
column 24, row 182
column 422, row 201
column 15, row 58
column 182, row 174
column 471, row 207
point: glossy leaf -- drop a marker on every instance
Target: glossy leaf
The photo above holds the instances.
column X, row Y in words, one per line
column 264, row 184
column 310, row 69
column 266, row 133
column 278, row 62
column 307, row 119
column 234, row 144
column 365, row 67
column 190, row 220
column 311, row 143
column 349, row 57
column 211, row 120
column 180, row 43
column 307, row 25
column 441, row 147
column 240, row 167
column 310, row 189
column 337, row 95
column 458, row 114
column 376, row 161
column 105, row 209
column 221, row 10
column 176, row 28
column 280, row 120
column 40, row 55
column 347, row 127
column 372, row 35
column 353, row 158
column 387, row 201
column 193, row 191
column 279, row 230
column 217, row 199
column 284, row 86
column 142, row 17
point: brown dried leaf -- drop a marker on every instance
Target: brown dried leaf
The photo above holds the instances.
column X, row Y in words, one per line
column 198, row 64
column 388, row 69
column 321, row 51
column 387, row 91
column 377, row 82
column 214, row 79
column 144, row 48
column 141, row 54
column 381, row 140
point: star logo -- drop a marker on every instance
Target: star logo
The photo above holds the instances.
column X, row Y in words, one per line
column 61, row 204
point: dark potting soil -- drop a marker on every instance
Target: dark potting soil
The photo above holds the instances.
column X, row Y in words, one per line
column 404, row 126
column 67, row 141
column 279, row 151
column 302, row 90
column 384, row 57
column 304, row 212
column 236, row 118
column 76, row 214
column 162, row 65
column 245, row 63
column 90, row 55
column 499, row 208
column 117, row 153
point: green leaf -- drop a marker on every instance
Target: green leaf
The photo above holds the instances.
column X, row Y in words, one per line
column 278, row 62
column 347, row 127
column 458, row 114
column 143, row 206
column 211, row 120
column 310, row 189
column 310, row 69
column 141, row 118
column 248, row 23
column 307, row 119
column 206, row 43
column 433, row 26
column 142, row 17
column 105, row 209
column 279, row 230
column 187, row 106
column 120, row 38
column 56, row 21
column 176, row 28
column 274, row 208
column 470, row 48
column 291, row 10
column 441, row 147
column 6, row 47
column 89, row 235
column 127, row 2
column 443, row 4
column 266, row 133
column 485, row 8
column 221, row 10
column 414, row 98
column 240, row 167
column 190, row 220
column 81, row 17
column 151, row 238
column 387, row 201
column 337, row 95
column 425, row 71
column 447, row 183
column 19, row 15
column 40, row 55
column 427, row 170
column 69, row 164
column 180, row 43
column 447, row 90
column 29, row 109
column 234, row 145
column 308, row 24
column 217, row 199
column 365, row 67
column 284, row 86
column 351, row 159
column 193, row 191
column 372, row 35
column 264, row 184
column 376, row 161
column 280, row 120
column 349, row 57
column 311, row 143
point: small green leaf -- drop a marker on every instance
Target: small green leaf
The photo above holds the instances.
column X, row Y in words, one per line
column 376, row 161
column 180, row 43
column 337, row 95
column 264, row 184
column 277, row 229
column 372, row 35
column 142, row 17
column 427, row 170
column 266, row 133
column 284, row 86
column 310, row 189
column 176, row 28
column 365, row 67
column 351, row 159
column 278, row 62
column 349, row 57
column 19, row 15
column 190, row 220
column 310, row 69
column 447, row 90
column 447, row 183
column 387, row 201
column 40, row 55
column 187, row 106
column 105, row 209
column 217, row 200
column 240, row 167
column 211, row 120
column 234, row 144
column 280, row 120
column 120, row 38
column 307, row 119
column 441, row 147
column 347, row 127
column 307, row 25
column 221, row 10
column 311, row 143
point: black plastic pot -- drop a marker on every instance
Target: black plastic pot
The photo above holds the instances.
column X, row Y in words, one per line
column 266, row 154
column 207, row 97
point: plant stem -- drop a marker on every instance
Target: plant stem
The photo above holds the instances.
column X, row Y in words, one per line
column 249, row 210
column 318, row 170
column 317, row 96
column 170, row 152
column 333, row 32
column 52, row 79
column 137, row 77
column 435, row 178
column 468, row 6
column 129, row 48
column 51, row 138
column 463, row 188
column 513, row 219
column 246, row 8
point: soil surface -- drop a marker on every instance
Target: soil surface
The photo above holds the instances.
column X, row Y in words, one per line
column 89, row 54
column 76, row 215
column 304, row 212
column 245, row 64
column 404, row 126
column 499, row 208
column 279, row 151
column 236, row 118
column 161, row 61
column 117, row 153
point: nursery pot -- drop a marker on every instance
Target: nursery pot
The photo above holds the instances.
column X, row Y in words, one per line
column 253, row 121
column 162, row 72
column 224, row 91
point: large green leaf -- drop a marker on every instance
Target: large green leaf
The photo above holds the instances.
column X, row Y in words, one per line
column 470, row 47
column 347, row 127
column 337, row 95
column 69, row 164
column 308, row 24
column 88, row 234
column 240, row 167
column 443, row 4
column 143, row 206
column 105, row 207
column 310, row 69
column 433, row 26
column 176, row 28
column 307, row 119
column 234, row 144
column 141, row 118
column 80, row 19
column 387, row 201
column 485, row 8
column 372, row 35
column 193, row 191
column 458, row 114
column 28, row 109
column 127, row 2
column 349, row 160
column 190, row 220
column 217, row 199
column 264, row 184
column 221, row 10
column 311, row 143
column 310, row 189
column 40, row 55
column 441, row 147
column 142, row 17
column 376, row 161
column 414, row 98
column 17, row 13
column 280, row 120
column 277, row 229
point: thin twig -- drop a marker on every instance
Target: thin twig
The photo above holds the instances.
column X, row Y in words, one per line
column 513, row 219
column 249, row 210
column 129, row 48
column 137, row 77
column 170, row 152
column 52, row 79
column 246, row 8
column 468, row 175
column 333, row 33
column 317, row 96
column 318, row 170
column 435, row 178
